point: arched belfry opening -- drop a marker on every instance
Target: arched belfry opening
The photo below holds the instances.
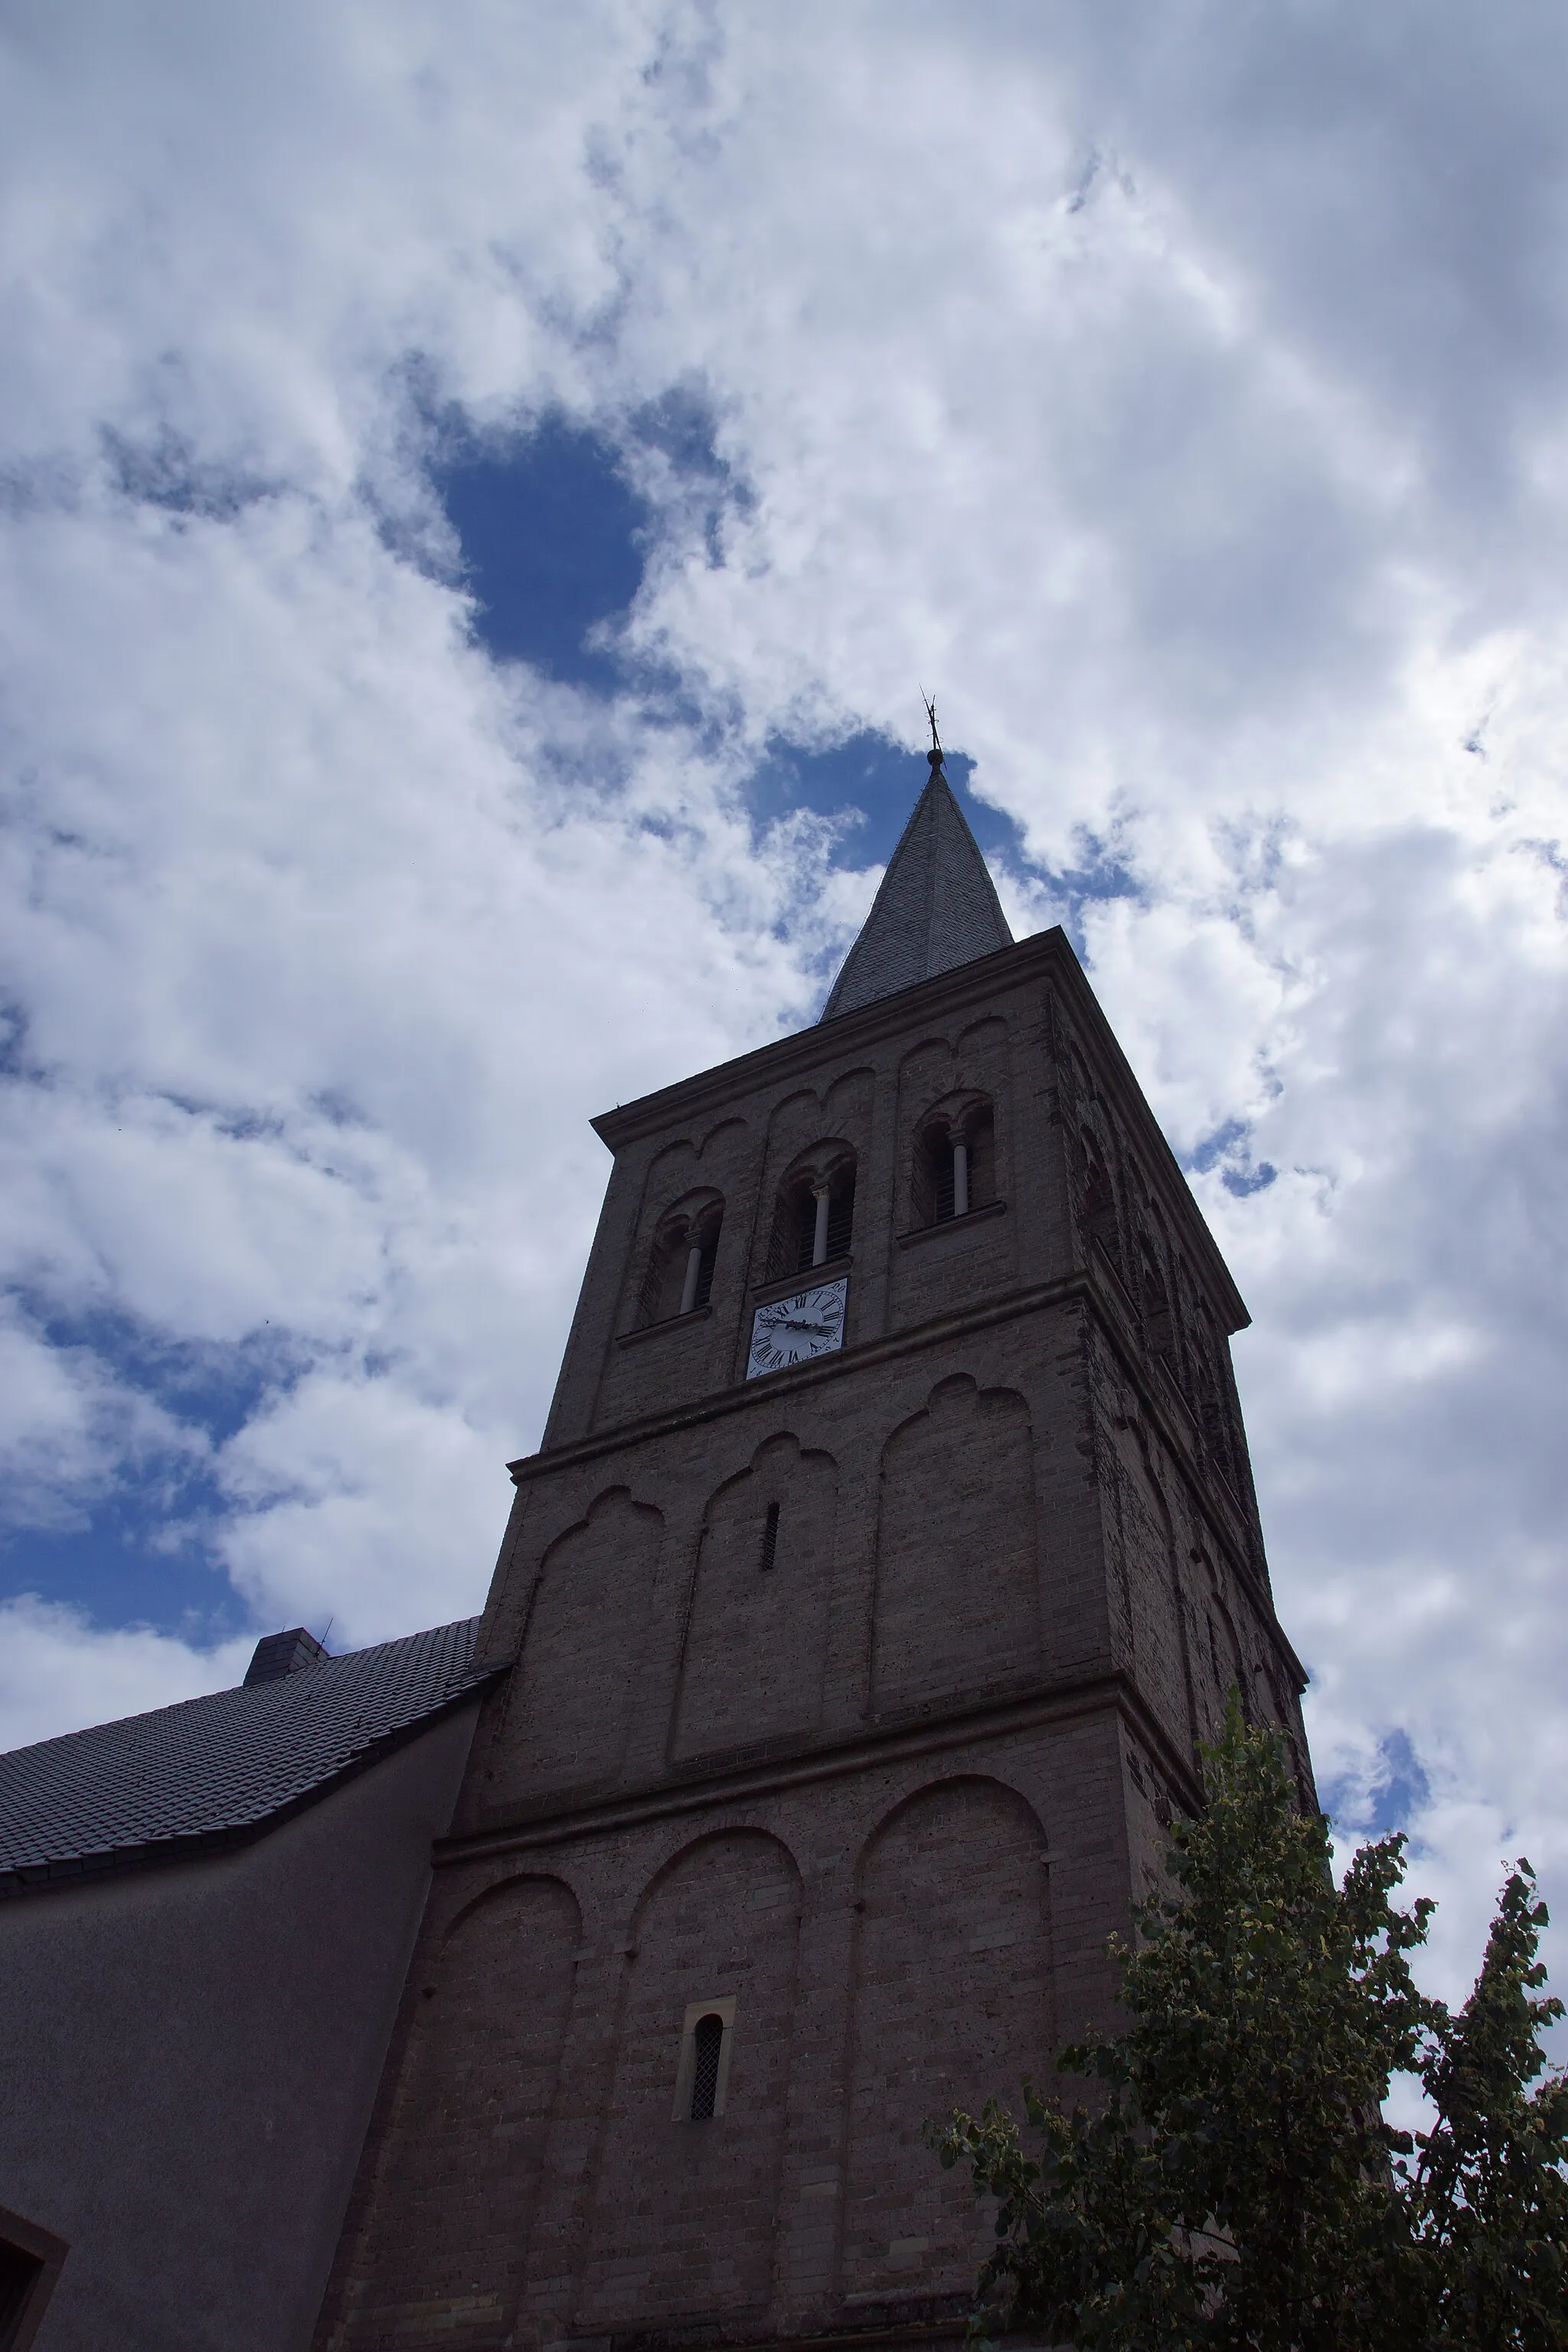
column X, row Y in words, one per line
column 678, row 1275
column 814, row 1215
column 954, row 1161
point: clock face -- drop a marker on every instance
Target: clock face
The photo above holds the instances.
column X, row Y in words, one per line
column 790, row 1331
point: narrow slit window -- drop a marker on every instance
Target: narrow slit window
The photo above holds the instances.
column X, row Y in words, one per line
column 708, row 2041
column 702, row 2070
column 770, row 1535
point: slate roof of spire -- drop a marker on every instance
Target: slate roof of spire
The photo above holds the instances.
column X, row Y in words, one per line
column 937, row 907
column 221, row 1770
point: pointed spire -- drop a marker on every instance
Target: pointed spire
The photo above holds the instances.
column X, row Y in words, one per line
column 937, row 907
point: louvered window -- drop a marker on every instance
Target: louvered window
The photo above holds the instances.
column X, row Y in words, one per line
column 841, row 1217
column 942, row 1154
column 840, row 1224
column 814, row 1219
column 805, row 1232
column 770, row 1535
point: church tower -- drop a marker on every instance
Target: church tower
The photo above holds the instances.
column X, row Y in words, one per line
column 892, row 1546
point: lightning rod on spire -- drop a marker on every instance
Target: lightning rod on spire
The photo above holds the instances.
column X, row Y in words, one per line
column 934, row 754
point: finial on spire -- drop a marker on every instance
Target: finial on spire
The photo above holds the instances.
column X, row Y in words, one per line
column 933, row 756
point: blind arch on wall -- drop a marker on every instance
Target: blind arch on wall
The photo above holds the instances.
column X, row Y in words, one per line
column 956, row 1873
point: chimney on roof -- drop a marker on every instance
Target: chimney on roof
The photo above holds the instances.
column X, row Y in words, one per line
column 277, row 1654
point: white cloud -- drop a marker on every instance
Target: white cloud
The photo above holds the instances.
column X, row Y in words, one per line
column 1180, row 399
column 58, row 1671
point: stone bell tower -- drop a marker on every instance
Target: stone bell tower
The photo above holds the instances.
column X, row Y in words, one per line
column 891, row 1544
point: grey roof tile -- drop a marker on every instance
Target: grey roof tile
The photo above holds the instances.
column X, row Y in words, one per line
column 219, row 1770
column 937, row 908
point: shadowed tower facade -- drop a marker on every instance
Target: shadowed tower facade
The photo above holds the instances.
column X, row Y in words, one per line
column 891, row 1545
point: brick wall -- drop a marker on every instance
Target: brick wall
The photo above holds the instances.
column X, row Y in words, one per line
column 886, row 1781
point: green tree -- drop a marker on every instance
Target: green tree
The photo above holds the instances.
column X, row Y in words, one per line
column 1234, row 2183
column 1488, row 2199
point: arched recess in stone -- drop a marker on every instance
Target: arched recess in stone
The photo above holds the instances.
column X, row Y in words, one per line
column 465, row 2153
column 684, row 2213
column 756, row 1629
column 952, row 2006
column 584, row 1648
column 957, row 1605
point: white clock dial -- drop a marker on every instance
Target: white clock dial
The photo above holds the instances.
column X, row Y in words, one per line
column 792, row 1330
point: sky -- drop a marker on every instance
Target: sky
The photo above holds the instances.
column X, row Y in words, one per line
column 483, row 492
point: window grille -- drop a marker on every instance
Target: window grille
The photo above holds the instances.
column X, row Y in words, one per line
column 708, row 2040
column 770, row 1535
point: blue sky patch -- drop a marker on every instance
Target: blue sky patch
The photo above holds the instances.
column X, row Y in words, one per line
column 138, row 1554
column 553, row 536
column 1233, row 1142
column 121, row 1568
column 1242, row 1180
column 868, row 786
column 1100, row 872
column 1373, row 1805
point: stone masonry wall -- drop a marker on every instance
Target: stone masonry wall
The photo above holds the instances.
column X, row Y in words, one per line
column 857, row 1696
